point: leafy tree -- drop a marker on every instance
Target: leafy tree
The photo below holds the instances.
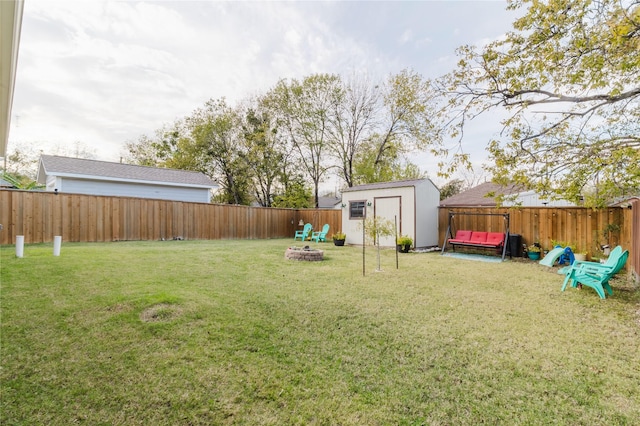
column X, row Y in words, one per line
column 353, row 121
column 376, row 227
column 568, row 81
column 239, row 147
column 370, row 165
column 215, row 145
column 22, row 161
column 173, row 147
column 295, row 195
column 144, row 151
column 176, row 148
column 266, row 152
column 306, row 112
column 312, row 126
column 208, row 141
column 451, row 188
column 375, row 125
column 21, row 181
column 385, row 123
column 407, row 123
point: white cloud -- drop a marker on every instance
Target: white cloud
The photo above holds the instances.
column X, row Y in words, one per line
column 406, row 36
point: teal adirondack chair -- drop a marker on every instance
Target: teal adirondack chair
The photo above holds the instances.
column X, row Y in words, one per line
column 611, row 262
column 596, row 275
column 320, row 235
column 304, row 234
column 595, row 267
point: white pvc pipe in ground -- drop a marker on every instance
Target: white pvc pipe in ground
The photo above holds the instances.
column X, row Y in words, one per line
column 57, row 242
column 19, row 245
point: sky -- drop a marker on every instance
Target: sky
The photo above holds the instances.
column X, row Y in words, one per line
column 100, row 73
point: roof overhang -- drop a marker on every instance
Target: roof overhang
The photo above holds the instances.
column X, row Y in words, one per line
column 42, row 180
column 411, row 183
column 120, row 180
column 10, row 25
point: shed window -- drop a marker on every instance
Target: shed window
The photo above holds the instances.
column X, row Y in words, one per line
column 357, row 209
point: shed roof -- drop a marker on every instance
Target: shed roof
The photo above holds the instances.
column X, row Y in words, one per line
column 477, row 196
column 104, row 170
column 386, row 185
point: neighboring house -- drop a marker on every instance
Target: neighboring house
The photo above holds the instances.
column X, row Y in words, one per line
column 82, row 176
column 533, row 199
column 412, row 204
column 329, row 202
column 5, row 184
column 625, row 202
column 478, row 197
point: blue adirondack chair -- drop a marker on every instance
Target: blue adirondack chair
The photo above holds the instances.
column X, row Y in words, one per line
column 320, row 235
column 596, row 275
column 304, row 234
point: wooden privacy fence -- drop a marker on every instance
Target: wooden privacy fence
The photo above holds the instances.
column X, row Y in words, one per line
column 584, row 228
column 40, row 216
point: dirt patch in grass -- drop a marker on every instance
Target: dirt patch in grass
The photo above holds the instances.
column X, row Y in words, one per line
column 161, row 312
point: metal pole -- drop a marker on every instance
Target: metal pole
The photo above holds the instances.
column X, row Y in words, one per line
column 506, row 237
column 446, row 235
column 395, row 230
column 378, row 242
column 363, row 233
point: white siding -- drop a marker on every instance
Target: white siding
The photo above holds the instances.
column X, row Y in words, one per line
column 95, row 187
column 53, row 182
column 416, row 209
column 352, row 227
column 427, row 215
column 533, row 199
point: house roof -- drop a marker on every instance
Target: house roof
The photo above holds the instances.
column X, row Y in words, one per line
column 386, row 185
column 624, row 201
column 103, row 170
column 477, row 196
column 328, row 202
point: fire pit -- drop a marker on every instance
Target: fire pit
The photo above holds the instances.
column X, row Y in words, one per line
column 304, row 253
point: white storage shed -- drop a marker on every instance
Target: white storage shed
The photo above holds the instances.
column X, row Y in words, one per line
column 413, row 203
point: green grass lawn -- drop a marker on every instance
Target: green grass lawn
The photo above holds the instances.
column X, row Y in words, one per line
column 229, row 332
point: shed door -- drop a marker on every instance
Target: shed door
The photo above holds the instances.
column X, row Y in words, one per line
column 388, row 208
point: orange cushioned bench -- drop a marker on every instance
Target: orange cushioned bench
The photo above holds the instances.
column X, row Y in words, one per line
column 479, row 239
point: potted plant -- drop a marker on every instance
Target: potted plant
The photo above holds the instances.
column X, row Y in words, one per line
column 581, row 255
column 533, row 251
column 338, row 238
column 403, row 243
